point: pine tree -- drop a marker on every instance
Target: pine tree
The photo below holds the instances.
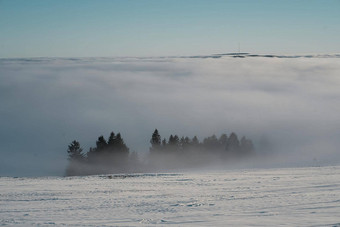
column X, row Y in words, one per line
column 246, row 146
column 182, row 143
column 233, row 144
column 111, row 139
column 223, row 140
column 211, row 143
column 186, row 144
column 176, row 139
column 120, row 144
column 75, row 151
column 76, row 159
column 164, row 143
column 155, row 141
column 173, row 143
column 195, row 142
column 171, row 140
column 101, row 144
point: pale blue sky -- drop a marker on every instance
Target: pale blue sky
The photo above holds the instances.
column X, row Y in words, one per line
column 88, row 28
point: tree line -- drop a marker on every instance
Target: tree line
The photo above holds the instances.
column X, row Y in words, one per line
column 113, row 155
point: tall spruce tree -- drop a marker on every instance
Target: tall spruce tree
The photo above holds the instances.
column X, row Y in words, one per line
column 120, row 145
column 155, row 141
column 111, row 142
column 101, row 144
column 75, row 151
column 174, row 143
column 76, row 159
column 233, row 144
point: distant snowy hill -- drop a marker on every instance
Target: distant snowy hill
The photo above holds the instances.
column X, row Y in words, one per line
column 244, row 55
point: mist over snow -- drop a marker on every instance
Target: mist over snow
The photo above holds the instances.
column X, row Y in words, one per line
column 288, row 107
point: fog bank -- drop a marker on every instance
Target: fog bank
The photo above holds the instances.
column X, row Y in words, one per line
column 288, row 107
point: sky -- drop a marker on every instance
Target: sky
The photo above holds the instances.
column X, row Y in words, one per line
column 86, row 28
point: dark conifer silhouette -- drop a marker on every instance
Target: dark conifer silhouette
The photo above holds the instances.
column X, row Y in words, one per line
column 164, row 143
column 185, row 143
column 111, row 141
column 120, row 146
column 173, row 143
column 112, row 156
column 246, row 146
column 76, row 158
column 223, row 141
column 155, row 142
column 211, row 143
column 195, row 142
column 75, row 151
column 101, row 144
column 233, row 144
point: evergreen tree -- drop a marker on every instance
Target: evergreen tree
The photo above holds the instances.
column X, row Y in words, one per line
column 173, row 143
column 111, row 140
column 75, row 151
column 246, row 146
column 101, row 144
column 211, row 143
column 111, row 146
column 171, row 140
column 223, row 140
column 76, row 159
column 195, row 142
column 176, row 140
column 164, row 143
column 186, row 144
column 233, row 144
column 155, row 141
column 120, row 144
column 182, row 143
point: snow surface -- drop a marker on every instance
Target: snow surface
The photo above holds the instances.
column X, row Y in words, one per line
column 256, row 197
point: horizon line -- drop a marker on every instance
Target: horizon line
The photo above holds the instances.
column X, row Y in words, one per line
column 217, row 55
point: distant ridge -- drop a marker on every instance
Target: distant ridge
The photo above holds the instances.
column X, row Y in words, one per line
column 223, row 55
column 247, row 55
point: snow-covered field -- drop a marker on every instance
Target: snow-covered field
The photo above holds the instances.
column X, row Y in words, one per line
column 256, row 197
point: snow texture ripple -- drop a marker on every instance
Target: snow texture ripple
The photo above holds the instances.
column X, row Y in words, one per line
column 256, row 197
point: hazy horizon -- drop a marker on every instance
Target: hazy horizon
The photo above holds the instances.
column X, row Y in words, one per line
column 46, row 104
column 208, row 55
column 75, row 70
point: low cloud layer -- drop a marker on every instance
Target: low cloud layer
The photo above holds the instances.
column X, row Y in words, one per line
column 293, row 104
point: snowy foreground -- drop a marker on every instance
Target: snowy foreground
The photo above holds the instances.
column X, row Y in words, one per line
column 261, row 197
